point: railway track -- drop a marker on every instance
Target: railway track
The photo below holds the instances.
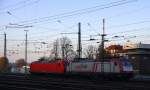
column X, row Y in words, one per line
column 28, row 82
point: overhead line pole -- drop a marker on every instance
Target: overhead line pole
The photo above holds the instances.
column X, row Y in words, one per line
column 79, row 50
column 26, row 48
column 26, row 39
column 79, row 41
column 102, row 50
column 56, row 53
column 103, row 39
column 5, row 45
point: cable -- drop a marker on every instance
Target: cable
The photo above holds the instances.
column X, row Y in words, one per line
column 122, row 14
column 128, row 12
column 124, row 25
column 16, row 4
column 132, row 37
column 70, row 27
column 45, row 36
column 20, row 7
column 9, row 13
column 90, row 26
column 127, row 31
column 78, row 12
column 47, row 30
column 132, row 30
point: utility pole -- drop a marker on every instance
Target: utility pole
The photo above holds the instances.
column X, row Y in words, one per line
column 102, row 51
column 103, row 40
column 56, row 49
column 26, row 48
column 63, row 52
column 26, row 39
column 56, row 54
column 79, row 47
column 79, row 41
column 5, row 45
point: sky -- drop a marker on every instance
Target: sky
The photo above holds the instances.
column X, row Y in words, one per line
column 128, row 19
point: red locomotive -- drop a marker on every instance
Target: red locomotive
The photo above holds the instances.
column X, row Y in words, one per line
column 48, row 67
column 113, row 67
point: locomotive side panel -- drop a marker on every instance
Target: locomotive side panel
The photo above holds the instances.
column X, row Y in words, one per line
column 105, row 66
column 93, row 67
column 80, row 67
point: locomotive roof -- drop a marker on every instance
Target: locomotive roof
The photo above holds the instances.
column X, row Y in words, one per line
column 48, row 61
column 88, row 60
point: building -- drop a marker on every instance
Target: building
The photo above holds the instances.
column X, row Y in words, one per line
column 139, row 54
column 115, row 50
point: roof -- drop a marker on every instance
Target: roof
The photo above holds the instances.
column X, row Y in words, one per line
column 137, row 46
column 115, row 47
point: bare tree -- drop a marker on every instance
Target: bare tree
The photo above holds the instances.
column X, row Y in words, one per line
column 90, row 52
column 55, row 51
column 63, row 49
column 66, row 47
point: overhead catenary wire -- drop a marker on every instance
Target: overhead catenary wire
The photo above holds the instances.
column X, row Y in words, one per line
column 116, row 27
column 19, row 6
column 122, row 14
column 43, row 32
column 127, row 12
column 66, row 27
column 128, row 24
column 53, row 29
column 46, row 36
column 77, row 12
column 132, row 30
column 91, row 27
column 14, row 5
column 111, row 35
column 127, row 31
column 124, row 37
column 14, row 16
column 130, row 37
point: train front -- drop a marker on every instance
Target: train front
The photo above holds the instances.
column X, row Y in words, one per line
column 127, row 68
